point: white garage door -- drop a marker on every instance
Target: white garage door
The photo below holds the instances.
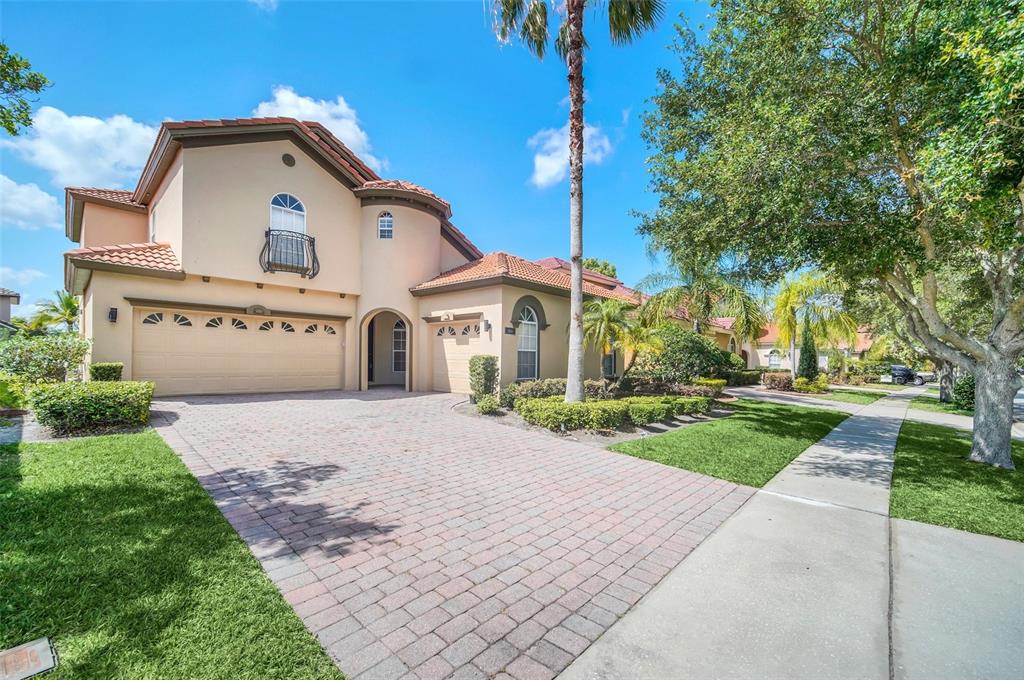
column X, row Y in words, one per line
column 454, row 344
column 187, row 352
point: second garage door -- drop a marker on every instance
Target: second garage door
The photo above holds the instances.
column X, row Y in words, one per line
column 454, row 344
column 187, row 352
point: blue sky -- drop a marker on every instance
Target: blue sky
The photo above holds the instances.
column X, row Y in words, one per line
column 423, row 89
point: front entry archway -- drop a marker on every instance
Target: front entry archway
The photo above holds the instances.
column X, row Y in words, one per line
column 385, row 350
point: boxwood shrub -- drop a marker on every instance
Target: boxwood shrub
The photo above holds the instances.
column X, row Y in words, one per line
column 483, row 375
column 487, row 404
column 963, row 392
column 12, row 391
column 549, row 387
column 106, row 370
column 817, row 386
column 555, row 414
column 73, row 407
column 745, row 377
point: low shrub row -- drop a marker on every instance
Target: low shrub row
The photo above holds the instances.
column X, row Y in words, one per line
column 817, row 386
column 549, row 387
column 106, row 370
column 778, row 380
column 745, row 377
column 95, row 405
column 555, row 414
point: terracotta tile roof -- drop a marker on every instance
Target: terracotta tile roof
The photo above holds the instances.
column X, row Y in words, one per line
column 495, row 265
column 559, row 263
column 404, row 186
column 143, row 255
column 770, row 335
column 112, row 195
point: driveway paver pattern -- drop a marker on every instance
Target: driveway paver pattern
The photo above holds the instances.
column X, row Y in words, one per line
column 417, row 542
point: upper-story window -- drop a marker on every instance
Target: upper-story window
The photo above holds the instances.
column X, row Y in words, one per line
column 288, row 213
column 385, row 225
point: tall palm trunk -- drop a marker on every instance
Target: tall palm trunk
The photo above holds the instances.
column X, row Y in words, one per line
column 574, row 375
column 792, row 354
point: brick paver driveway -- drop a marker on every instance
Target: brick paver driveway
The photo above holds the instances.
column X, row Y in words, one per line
column 415, row 541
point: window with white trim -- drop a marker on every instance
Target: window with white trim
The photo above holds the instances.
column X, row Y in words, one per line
column 774, row 359
column 287, row 213
column 398, row 346
column 526, row 345
column 732, row 345
column 385, row 226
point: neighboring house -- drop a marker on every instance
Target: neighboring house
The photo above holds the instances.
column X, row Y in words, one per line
column 263, row 255
column 766, row 352
column 7, row 298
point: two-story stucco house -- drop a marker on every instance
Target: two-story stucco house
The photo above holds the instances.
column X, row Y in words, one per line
column 262, row 255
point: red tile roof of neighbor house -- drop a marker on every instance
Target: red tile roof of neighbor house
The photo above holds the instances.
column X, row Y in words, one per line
column 596, row 277
column 7, row 292
column 150, row 256
column 501, row 265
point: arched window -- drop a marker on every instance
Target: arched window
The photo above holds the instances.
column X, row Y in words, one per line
column 526, row 345
column 774, row 359
column 398, row 347
column 732, row 345
column 287, row 213
column 385, row 226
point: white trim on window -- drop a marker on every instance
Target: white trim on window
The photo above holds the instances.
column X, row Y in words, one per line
column 527, row 345
column 288, row 213
column 774, row 359
column 385, row 226
column 398, row 346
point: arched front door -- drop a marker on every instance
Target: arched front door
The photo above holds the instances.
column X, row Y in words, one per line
column 385, row 357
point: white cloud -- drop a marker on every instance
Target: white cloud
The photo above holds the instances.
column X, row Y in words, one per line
column 19, row 278
column 551, row 161
column 265, row 5
column 337, row 116
column 26, row 206
column 84, row 150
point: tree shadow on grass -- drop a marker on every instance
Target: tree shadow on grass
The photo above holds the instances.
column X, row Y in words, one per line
column 113, row 549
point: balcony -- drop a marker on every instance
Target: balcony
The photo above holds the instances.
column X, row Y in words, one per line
column 289, row 251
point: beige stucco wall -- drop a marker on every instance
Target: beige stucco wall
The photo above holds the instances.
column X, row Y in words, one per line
column 486, row 301
column 113, row 341
column 226, row 210
column 103, row 225
column 393, row 266
column 450, row 257
column 167, row 206
column 554, row 340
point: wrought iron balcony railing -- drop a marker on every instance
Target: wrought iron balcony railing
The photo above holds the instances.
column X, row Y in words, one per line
column 289, row 251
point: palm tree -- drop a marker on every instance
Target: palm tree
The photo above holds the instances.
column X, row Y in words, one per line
column 702, row 292
column 528, row 20
column 639, row 338
column 63, row 309
column 604, row 324
column 813, row 299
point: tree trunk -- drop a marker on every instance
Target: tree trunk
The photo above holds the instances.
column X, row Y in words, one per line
column 946, row 378
column 792, row 354
column 574, row 375
column 996, row 384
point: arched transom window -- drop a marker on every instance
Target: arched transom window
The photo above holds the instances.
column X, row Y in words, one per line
column 398, row 346
column 732, row 345
column 526, row 345
column 385, row 226
column 288, row 213
column 774, row 359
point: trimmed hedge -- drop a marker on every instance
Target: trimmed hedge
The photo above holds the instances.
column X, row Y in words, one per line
column 487, row 404
column 817, row 386
column 745, row 377
column 95, row 405
column 963, row 393
column 780, row 380
column 483, row 375
column 549, row 387
column 106, row 370
column 555, row 414
column 43, row 358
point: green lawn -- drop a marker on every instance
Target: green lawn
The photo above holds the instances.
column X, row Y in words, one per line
column 934, row 483
column 923, row 402
column 748, row 447
column 851, row 396
column 111, row 547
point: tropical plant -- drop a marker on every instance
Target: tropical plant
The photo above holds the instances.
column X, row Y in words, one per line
column 701, row 291
column 604, row 323
column 812, row 299
column 882, row 142
column 62, row 309
column 17, row 83
column 638, row 339
column 527, row 20
column 686, row 355
column 37, row 325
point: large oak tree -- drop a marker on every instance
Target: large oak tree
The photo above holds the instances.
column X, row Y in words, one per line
column 882, row 141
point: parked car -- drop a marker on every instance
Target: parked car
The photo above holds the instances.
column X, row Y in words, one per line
column 901, row 375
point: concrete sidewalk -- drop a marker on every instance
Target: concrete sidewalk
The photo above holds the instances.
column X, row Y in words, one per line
column 798, row 584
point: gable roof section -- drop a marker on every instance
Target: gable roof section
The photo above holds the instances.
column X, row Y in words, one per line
column 503, row 268
column 594, row 276
column 146, row 259
column 75, row 199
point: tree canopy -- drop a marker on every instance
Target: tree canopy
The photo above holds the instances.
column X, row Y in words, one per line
column 17, row 82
